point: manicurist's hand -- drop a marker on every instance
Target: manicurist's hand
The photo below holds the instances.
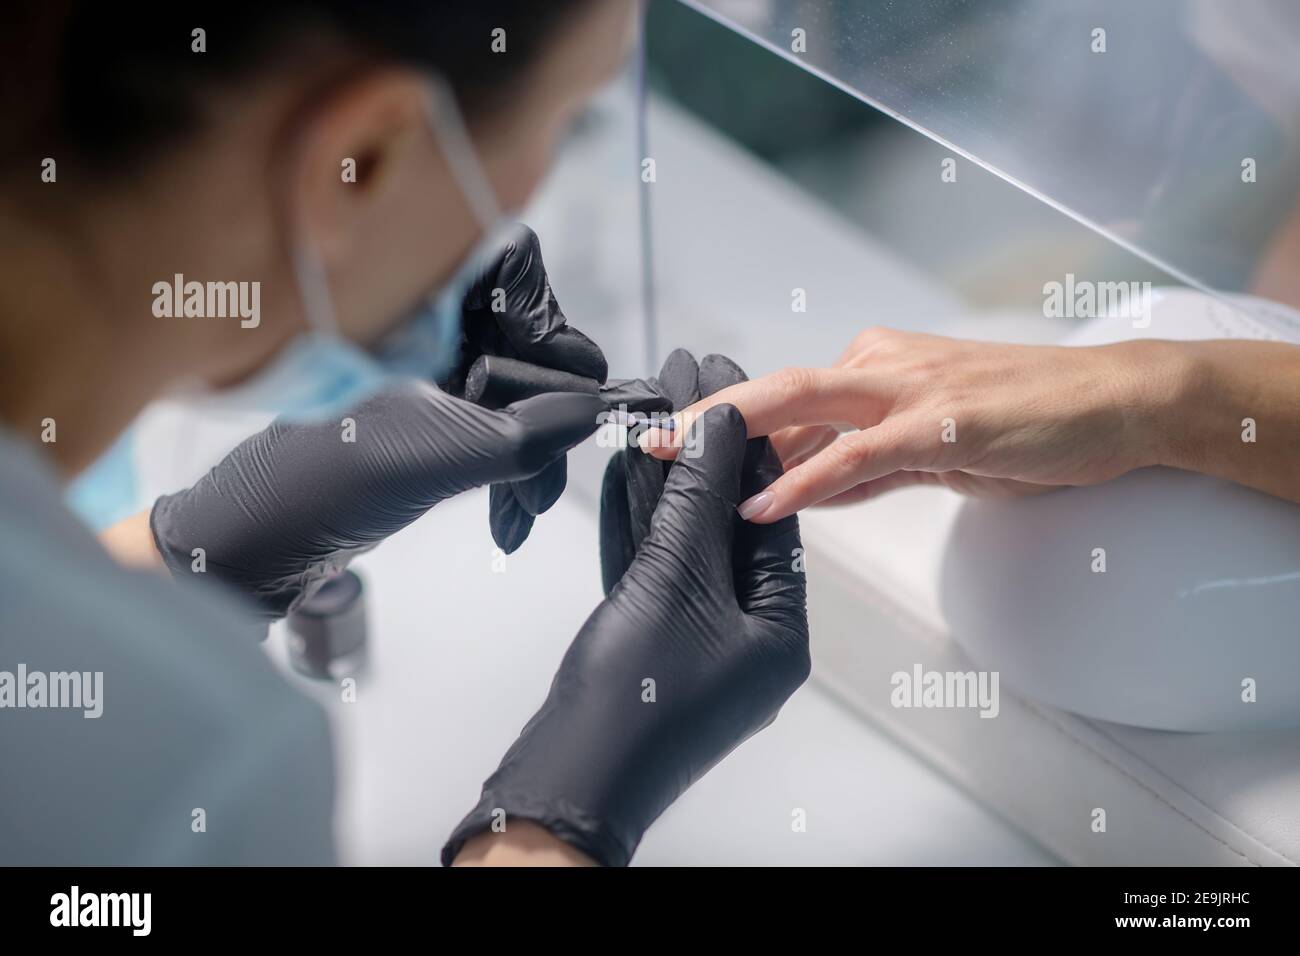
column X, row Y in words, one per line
column 984, row 419
column 294, row 503
column 510, row 310
column 697, row 647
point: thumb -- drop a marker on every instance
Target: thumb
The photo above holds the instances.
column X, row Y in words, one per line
column 770, row 560
column 429, row 434
column 503, row 448
column 691, row 532
column 548, row 426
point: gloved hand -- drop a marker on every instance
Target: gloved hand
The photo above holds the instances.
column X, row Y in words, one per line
column 698, row 645
column 510, row 311
column 294, row 503
column 633, row 480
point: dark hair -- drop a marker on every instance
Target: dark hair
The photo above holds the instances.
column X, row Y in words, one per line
column 101, row 80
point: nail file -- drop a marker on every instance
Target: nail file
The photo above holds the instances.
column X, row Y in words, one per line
column 495, row 381
column 636, row 420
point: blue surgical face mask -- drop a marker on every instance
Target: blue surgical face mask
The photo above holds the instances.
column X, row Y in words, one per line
column 320, row 373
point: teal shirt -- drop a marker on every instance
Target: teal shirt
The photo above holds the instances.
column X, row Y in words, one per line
column 202, row 752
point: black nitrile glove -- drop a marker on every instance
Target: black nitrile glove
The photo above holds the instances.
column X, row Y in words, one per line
column 294, row 503
column 696, row 648
column 633, row 480
column 510, row 311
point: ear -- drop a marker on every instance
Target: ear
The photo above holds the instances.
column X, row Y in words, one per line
column 350, row 146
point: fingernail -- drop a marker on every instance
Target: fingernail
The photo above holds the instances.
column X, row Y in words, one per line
column 755, row 506
column 656, row 436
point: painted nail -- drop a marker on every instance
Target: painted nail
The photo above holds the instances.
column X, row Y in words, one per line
column 755, row 506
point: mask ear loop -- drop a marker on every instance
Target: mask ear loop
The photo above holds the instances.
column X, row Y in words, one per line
column 313, row 287
column 308, row 267
column 452, row 136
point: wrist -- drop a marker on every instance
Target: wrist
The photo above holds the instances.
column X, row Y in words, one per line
column 523, row 843
column 1160, row 379
column 131, row 542
column 532, row 805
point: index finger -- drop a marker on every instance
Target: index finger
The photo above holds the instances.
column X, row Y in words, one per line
column 792, row 396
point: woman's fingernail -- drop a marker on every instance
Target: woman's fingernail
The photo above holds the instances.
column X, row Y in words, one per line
column 657, row 436
column 755, row 506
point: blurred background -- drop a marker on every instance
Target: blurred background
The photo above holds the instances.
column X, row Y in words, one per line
column 777, row 170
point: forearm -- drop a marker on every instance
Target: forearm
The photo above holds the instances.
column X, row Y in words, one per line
column 521, row 844
column 130, row 542
column 1231, row 409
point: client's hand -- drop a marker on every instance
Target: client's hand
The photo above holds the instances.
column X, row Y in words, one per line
column 981, row 418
